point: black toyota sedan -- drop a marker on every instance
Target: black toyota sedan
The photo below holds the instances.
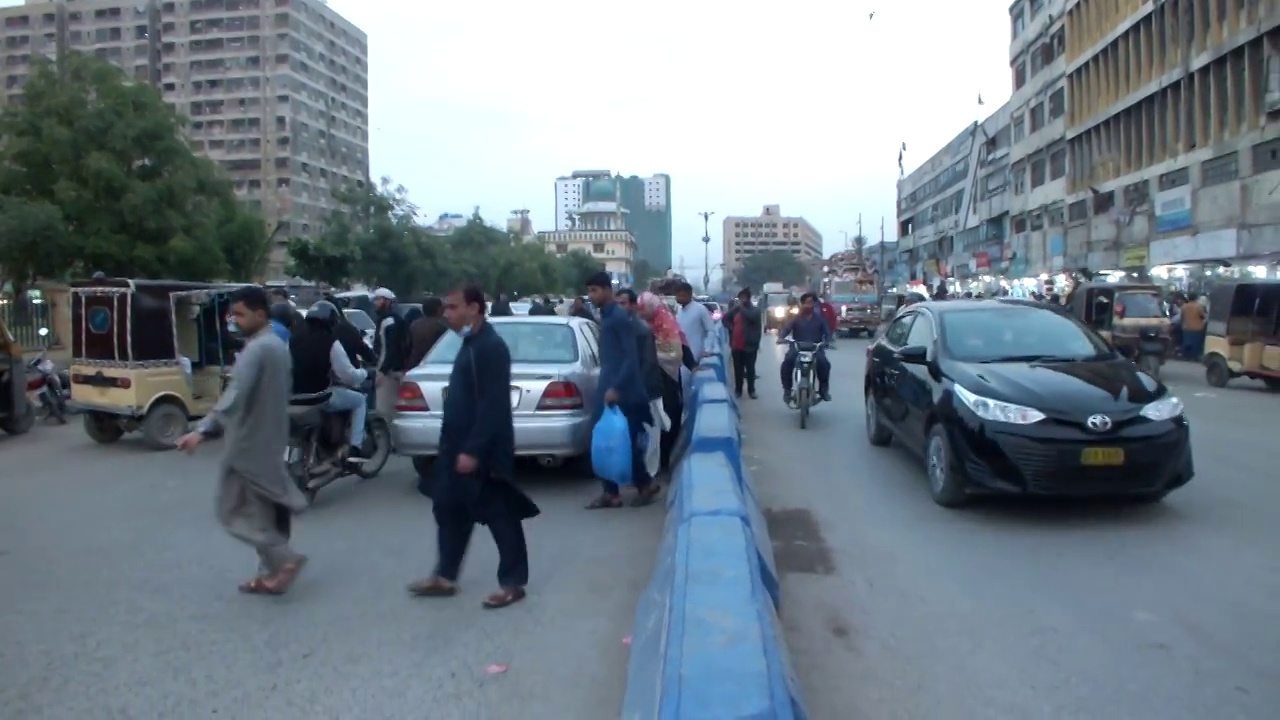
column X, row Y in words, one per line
column 1009, row 396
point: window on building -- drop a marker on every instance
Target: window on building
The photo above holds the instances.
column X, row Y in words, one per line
column 1019, row 74
column 1019, row 125
column 1036, row 117
column 1037, row 59
column 1266, row 156
column 1018, row 22
column 597, row 248
column 1020, row 224
column 1078, row 210
column 1058, row 103
column 1219, row 170
column 1018, row 177
column 1058, row 164
column 1037, row 173
column 1054, row 216
column 1037, row 221
column 562, row 248
column 1176, row 179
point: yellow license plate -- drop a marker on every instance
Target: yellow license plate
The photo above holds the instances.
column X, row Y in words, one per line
column 1102, row 456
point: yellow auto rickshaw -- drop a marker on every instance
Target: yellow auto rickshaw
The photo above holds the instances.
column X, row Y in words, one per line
column 148, row 355
column 17, row 414
column 1242, row 335
column 1130, row 316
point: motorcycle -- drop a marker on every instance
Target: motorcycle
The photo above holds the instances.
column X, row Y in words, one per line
column 51, row 386
column 804, row 383
column 317, row 452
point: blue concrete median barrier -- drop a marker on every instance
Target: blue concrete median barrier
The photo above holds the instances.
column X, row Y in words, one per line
column 715, row 364
column 717, row 651
column 707, row 642
column 707, row 485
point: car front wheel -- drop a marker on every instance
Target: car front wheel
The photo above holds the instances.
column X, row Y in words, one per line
column 877, row 434
column 943, row 484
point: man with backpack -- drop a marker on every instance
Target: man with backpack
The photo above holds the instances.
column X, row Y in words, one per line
column 391, row 343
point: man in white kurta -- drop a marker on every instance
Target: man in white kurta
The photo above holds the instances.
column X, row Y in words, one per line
column 699, row 329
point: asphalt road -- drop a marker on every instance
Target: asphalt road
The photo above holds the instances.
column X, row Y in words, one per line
column 118, row 599
column 896, row 608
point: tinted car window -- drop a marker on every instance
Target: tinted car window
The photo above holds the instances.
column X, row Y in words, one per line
column 921, row 333
column 1016, row 332
column 360, row 319
column 1140, row 305
column 528, row 343
column 896, row 334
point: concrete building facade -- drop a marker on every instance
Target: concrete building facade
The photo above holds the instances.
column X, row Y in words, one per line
column 275, row 91
column 744, row 236
column 599, row 228
column 1142, row 135
column 647, row 201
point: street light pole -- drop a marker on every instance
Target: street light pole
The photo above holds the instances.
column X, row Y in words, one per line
column 706, row 250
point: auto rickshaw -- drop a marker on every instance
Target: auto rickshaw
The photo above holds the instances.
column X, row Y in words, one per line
column 1130, row 316
column 17, row 414
column 148, row 355
column 1242, row 335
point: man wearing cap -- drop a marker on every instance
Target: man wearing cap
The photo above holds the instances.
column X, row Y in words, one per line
column 389, row 344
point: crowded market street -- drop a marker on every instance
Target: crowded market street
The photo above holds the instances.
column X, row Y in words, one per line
column 897, row 608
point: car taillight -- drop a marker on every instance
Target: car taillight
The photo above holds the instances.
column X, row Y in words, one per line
column 1119, row 311
column 410, row 398
column 561, row 396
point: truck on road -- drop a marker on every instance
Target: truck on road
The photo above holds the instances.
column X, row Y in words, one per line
column 854, row 290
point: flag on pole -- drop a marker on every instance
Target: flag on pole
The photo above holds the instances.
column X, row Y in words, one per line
column 901, row 171
column 980, row 102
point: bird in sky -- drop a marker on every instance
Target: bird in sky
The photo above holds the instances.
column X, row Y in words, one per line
column 872, row 16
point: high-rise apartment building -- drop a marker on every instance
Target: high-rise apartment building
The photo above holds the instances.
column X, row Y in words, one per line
column 646, row 202
column 276, row 91
column 744, row 236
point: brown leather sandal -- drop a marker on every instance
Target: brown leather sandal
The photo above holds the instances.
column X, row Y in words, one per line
column 282, row 580
column 433, row 587
column 503, row 598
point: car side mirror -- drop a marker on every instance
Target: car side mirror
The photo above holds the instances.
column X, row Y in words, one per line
column 913, row 355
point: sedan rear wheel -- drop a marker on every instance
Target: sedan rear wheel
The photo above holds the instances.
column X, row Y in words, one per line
column 943, row 485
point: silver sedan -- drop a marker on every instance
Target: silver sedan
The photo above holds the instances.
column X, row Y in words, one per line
column 555, row 369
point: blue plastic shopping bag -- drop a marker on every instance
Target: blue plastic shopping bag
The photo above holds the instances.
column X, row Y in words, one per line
column 611, row 447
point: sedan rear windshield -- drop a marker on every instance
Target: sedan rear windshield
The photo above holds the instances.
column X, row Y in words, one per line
column 1008, row 334
column 534, row 343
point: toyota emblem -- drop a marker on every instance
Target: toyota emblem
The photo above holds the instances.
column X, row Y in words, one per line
column 1098, row 423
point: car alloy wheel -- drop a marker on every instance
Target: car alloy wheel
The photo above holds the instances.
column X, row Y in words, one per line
column 937, row 458
column 943, row 486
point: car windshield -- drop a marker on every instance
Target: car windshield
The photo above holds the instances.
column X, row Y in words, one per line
column 360, row 319
column 1017, row 334
column 528, row 342
column 1140, row 305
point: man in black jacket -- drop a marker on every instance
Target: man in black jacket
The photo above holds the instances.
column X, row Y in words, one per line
column 744, row 324
column 391, row 345
column 646, row 345
column 476, row 459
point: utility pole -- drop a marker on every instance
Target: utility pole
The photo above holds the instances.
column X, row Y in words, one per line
column 706, row 250
column 880, row 266
column 845, row 233
column 859, row 225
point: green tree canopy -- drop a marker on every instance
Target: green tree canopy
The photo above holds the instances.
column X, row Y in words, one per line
column 95, row 175
column 773, row 266
column 373, row 238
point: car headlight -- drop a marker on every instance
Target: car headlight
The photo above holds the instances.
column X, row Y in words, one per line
column 1163, row 409
column 779, row 312
column 996, row 410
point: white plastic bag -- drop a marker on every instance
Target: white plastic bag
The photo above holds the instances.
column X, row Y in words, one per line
column 653, row 433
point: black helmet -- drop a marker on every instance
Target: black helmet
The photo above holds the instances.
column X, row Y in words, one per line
column 323, row 312
column 282, row 313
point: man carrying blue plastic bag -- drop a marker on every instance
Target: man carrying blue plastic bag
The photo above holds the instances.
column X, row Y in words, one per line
column 621, row 386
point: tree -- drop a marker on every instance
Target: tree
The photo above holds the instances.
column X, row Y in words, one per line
column 773, row 266
column 96, row 167
column 575, row 268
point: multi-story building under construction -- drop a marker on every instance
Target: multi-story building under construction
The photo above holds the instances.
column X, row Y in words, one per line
column 276, row 91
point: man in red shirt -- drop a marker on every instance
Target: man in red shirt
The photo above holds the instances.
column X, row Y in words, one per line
column 744, row 323
column 833, row 319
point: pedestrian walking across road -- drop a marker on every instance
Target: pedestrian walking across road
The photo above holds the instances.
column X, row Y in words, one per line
column 256, row 497
column 476, row 461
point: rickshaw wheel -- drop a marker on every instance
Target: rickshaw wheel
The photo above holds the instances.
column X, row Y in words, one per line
column 164, row 423
column 21, row 421
column 1216, row 372
column 102, row 428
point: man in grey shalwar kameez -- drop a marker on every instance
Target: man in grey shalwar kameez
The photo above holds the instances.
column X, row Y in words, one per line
column 255, row 494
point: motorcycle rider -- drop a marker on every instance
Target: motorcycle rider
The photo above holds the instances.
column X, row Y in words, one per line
column 318, row 358
column 282, row 317
column 391, row 344
column 806, row 327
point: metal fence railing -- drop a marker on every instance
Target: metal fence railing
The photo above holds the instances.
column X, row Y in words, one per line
column 24, row 318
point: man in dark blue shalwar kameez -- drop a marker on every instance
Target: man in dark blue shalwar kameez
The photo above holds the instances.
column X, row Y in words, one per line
column 476, row 460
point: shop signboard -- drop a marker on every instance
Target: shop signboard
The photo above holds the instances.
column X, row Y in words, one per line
column 981, row 260
column 1173, row 209
column 1134, row 257
column 1213, row 245
column 1057, row 249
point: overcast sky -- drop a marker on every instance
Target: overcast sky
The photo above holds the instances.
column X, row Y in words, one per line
column 802, row 103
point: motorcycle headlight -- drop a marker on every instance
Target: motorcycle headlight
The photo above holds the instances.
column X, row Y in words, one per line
column 996, row 410
column 779, row 312
column 1163, row 409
